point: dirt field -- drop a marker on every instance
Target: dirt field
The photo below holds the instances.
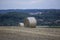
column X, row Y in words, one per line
column 17, row 33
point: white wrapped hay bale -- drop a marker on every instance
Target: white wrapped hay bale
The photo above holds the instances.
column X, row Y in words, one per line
column 21, row 24
column 30, row 22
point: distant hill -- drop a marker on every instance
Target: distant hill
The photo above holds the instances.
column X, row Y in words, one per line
column 29, row 10
column 20, row 10
column 13, row 17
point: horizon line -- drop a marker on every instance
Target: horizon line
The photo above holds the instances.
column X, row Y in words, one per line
column 13, row 9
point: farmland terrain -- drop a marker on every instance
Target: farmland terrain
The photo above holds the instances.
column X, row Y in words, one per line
column 18, row 33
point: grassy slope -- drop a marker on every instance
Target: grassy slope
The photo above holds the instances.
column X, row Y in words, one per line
column 17, row 33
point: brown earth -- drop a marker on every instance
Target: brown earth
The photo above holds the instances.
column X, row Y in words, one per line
column 17, row 33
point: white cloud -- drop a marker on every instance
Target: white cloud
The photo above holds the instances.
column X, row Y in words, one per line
column 19, row 2
column 29, row 4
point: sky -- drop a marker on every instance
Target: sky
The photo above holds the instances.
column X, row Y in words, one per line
column 29, row 4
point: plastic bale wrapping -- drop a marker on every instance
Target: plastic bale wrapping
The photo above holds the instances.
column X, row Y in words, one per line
column 21, row 24
column 30, row 22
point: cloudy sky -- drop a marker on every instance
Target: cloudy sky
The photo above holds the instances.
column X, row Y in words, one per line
column 29, row 4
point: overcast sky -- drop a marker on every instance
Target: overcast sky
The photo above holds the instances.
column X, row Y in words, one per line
column 29, row 4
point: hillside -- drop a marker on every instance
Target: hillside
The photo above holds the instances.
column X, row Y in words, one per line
column 18, row 33
column 50, row 17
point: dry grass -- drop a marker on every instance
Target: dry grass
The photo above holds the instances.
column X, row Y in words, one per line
column 17, row 33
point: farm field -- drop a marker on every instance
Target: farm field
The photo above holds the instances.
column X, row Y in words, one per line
column 19, row 33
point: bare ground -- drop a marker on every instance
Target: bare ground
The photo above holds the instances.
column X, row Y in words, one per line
column 17, row 33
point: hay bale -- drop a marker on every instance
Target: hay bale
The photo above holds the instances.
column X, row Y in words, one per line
column 21, row 24
column 30, row 22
